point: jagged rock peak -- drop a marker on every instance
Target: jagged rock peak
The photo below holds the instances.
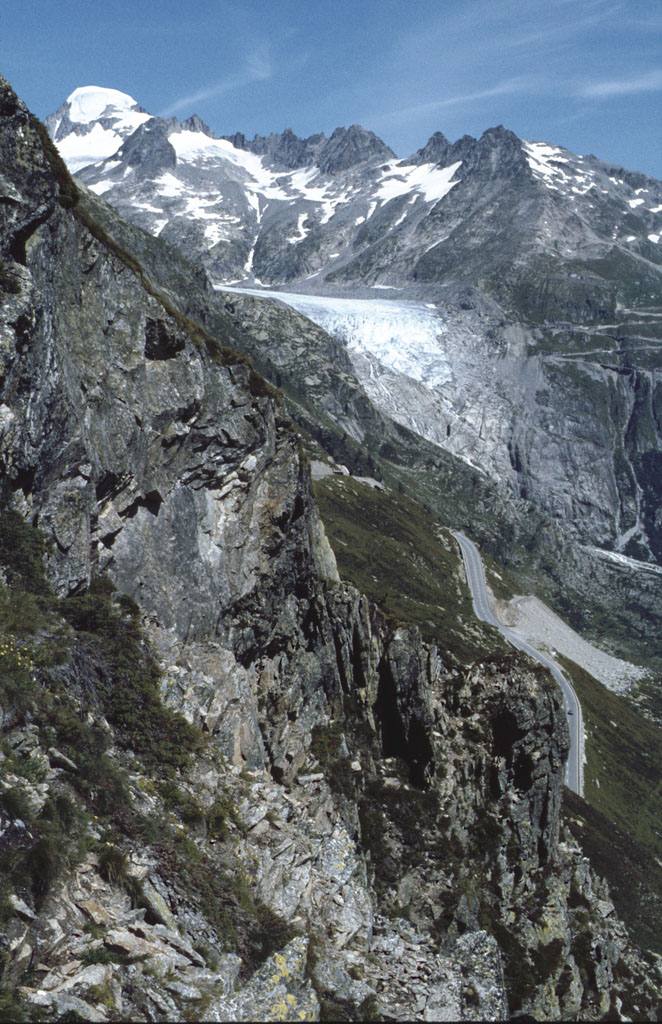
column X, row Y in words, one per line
column 503, row 151
column 286, row 149
column 196, row 124
column 496, row 145
column 147, row 149
column 502, row 137
column 435, row 151
column 350, row 146
column 346, row 148
column 497, row 149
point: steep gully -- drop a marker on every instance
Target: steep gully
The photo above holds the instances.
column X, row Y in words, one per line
column 574, row 778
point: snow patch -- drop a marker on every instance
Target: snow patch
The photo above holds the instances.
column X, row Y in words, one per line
column 169, row 185
column 86, row 105
column 553, row 166
column 626, row 561
column 101, row 186
column 301, row 233
column 431, row 181
column 78, row 151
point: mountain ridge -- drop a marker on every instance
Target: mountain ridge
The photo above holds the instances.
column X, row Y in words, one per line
column 541, row 289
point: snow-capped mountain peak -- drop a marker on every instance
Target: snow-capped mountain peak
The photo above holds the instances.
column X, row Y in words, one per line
column 90, row 102
column 92, row 124
column 345, row 210
column 475, row 283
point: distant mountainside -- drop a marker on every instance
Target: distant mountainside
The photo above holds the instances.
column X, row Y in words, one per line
column 344, row 211
column 541, row 271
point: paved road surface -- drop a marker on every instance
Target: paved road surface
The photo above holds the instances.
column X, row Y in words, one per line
column 574, row 775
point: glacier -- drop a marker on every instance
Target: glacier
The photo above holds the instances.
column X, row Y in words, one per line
column 406, row 337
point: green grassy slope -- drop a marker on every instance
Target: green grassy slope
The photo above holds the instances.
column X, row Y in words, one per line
column 633, row 873
column 623, row 773
column 395, row 552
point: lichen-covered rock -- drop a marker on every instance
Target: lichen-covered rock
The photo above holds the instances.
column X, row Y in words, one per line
column 279, row 990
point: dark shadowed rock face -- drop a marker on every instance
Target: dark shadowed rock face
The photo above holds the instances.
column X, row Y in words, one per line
column 150, row 455
column 286, row 149
column 148, row 150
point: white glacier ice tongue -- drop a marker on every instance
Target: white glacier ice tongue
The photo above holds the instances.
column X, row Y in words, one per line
column 402, row 336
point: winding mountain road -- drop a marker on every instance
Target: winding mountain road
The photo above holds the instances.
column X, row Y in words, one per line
column 574, row 775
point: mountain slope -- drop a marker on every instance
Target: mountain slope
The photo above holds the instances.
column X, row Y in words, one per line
column 339, row 799
column 302, row 204
column 544, row 268
column 612, row 599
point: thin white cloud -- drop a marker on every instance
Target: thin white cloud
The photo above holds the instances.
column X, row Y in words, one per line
column 257, row 69
column 510, row 86
column 482, row 29
column 651, row 82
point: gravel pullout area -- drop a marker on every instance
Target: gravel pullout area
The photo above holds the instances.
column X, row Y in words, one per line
column 542, row 628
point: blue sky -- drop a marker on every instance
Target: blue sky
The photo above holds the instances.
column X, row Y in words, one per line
column 586, row 74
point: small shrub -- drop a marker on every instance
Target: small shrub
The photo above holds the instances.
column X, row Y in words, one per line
column 63, row 812
column 101, row 783
column 209, row 957
column 133, row 887
column 20, row 611
column 333, row 1008
column 221, row 812
column 148, row 829
column 113, row 865
column 94, row 929
column 96, row 955
column 104, row 955
column 102, row 995
column 15, row 804
column 10, row 1009
column 369, row 1010
column 175, row 799
column 191, row 812
column 45, row 861
column 129, row 690
column 22, row 550
column 18, row 689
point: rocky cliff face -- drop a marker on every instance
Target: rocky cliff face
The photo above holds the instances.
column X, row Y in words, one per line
column 236, row 790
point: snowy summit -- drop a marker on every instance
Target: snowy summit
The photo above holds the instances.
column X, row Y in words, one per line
column 92, row 124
